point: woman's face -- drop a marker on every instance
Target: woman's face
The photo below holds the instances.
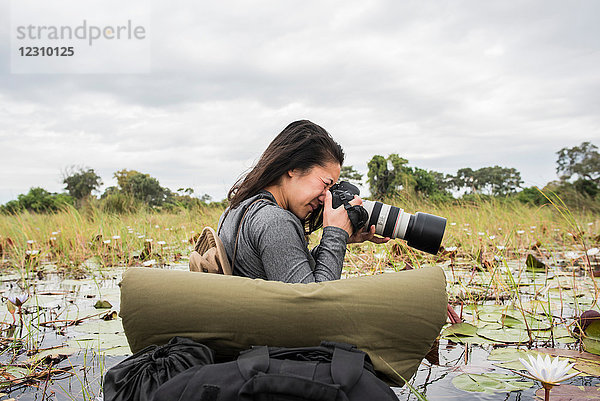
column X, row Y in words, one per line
column 304, row 191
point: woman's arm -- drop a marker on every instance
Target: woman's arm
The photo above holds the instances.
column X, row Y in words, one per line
column 279, row 239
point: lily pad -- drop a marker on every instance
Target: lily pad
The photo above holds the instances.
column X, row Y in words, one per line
column 54, row 352
column 10, row 373
column 534, row 264
column 566, row 392
column 460, row 329
column 510, row 321
column 490, row 316
column 591, row 341
column 105, row 342
column 592, row 345
column 508, row 354
column 102, row 304
column 117, row 351
column 490, row 383
column 100, row 327
column 506, row 335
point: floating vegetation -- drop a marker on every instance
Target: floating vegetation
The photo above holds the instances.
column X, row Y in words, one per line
column 520, row 283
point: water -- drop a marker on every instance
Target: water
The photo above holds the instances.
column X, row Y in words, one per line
column 96, row 345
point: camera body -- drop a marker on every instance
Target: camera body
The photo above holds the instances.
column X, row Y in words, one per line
column 422, row 231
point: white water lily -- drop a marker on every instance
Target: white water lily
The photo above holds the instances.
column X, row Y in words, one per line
column 18, row 300
column 547, row 370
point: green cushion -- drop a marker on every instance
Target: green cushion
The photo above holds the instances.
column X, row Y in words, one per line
column 394, row 317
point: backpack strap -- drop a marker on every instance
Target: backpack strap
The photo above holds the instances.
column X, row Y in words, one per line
column 253, row 361
column 347, row 367
column 237, row 236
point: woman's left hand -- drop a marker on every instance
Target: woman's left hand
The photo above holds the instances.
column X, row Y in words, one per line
column 367, row 235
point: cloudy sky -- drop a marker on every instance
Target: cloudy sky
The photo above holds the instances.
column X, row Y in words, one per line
column 445, row 84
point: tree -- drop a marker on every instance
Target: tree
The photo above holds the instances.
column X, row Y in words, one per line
column 391, row 175
column 388, row 176
column 348, row 173
column 582, row 161
column 80, row 182
column 141, row 186
column 496, row 180
column 40, row 201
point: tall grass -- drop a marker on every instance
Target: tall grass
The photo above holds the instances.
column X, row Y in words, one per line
column 70, row 237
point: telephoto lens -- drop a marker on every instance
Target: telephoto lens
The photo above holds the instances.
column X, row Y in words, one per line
column 421, row 231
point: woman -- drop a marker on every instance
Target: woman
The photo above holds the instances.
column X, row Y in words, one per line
column 282, row 199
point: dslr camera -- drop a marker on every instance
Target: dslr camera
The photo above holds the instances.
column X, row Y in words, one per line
column 422, row 231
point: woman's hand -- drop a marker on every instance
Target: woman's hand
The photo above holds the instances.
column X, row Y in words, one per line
column 367, row 235
column 339, row 218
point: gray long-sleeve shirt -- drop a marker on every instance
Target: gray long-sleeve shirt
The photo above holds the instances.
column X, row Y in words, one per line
column 272, row 246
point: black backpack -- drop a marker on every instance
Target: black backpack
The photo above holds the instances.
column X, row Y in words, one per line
column 329, row 372
column 139, row 376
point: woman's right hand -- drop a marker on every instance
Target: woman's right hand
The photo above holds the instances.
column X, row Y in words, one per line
column 338, row 217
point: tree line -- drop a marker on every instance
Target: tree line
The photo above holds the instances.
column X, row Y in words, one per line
column 133, row 191
column 578, row 171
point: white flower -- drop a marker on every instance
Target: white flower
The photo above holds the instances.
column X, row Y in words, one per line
column 106, row 241
column 116, row 237
column 149, row 263
column 33, row 252
column 480, row 233
column 548, row 371
column 532, row 227
column 52, row 238
column 140, row 236
column 593, row 251
column 149, row 240
column 30, row 241
column 451, row 249
column 500, row 247
column 520, row 232
column 18, row 300
column 571, row 255
column 161, row 242
column 157, row 226
column 55, row 232
column 492, row 237
column 452, row 224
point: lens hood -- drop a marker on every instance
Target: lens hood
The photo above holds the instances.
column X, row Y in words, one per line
column 425, row 232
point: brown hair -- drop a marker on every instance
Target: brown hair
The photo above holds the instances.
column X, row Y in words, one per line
column 301, row 145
